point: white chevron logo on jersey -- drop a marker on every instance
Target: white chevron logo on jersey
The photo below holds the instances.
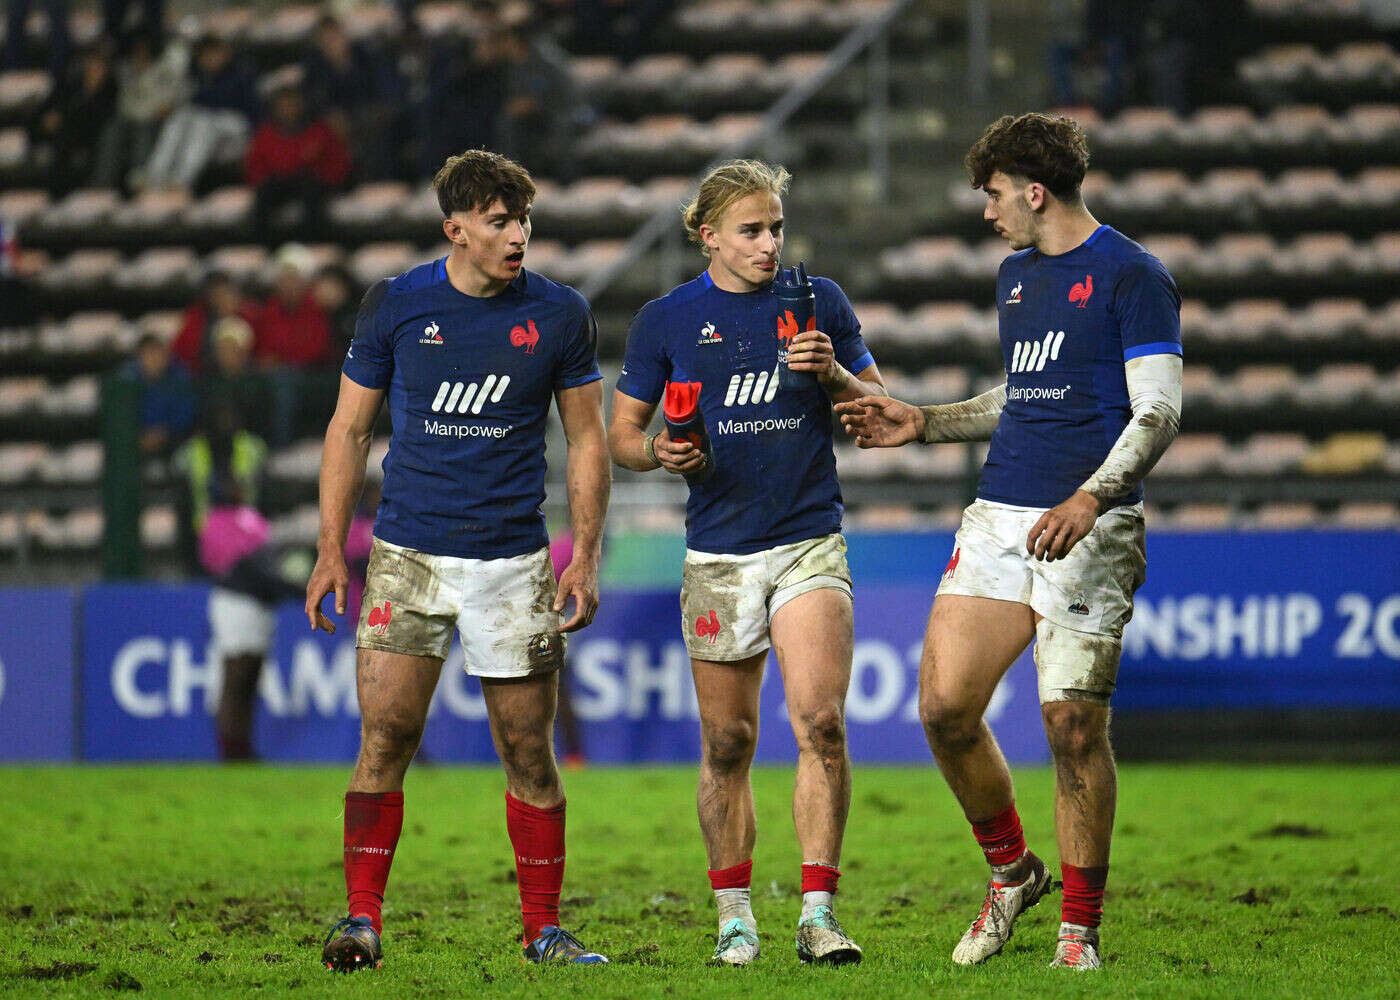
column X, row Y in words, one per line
column 1031, row 355
column 752, row 388
column 460, row 397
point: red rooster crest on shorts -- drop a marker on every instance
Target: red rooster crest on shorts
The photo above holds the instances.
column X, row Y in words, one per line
column 1082, row 290
column 787, row 326
column 708, row 628
column 526, row 338
column 379, row 618
column 953, row 562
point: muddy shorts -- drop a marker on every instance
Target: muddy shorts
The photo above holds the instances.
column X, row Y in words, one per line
column 728, row 601
column 502, row 608
column 1086, row 598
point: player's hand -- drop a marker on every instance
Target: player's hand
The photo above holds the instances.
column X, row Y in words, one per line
column 812, row 351
column 579, row 581
column 330, row 574
column 881, row 421
column 679, row 457
column 1061, row 528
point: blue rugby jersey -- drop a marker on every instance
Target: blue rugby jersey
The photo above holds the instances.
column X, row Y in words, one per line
column 469, row 381
column 775, row 471
column 1067, row 324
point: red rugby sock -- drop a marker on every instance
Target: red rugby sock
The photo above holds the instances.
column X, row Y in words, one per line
column 1000, row 837
column 372, row 825
column 819, row 878
column 734, row 877
column 537, row 835
column 1082, row 902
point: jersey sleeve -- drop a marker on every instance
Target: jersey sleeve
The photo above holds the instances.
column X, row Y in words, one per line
column 578, row 364
column 837, row 320
column 1148, row 308
column 645, row 366
column 370, row 360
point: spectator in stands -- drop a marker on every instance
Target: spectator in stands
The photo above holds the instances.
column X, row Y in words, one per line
column 458, row 98
column 332, row 291
column 355, row 89
column 220, row 298
column 291, row 338
column 540, row 107
column 167, row 397
column 232, row 381
column 619, row 27
column 294, row 161
column 150, row 85
column 16, row 37
column 65, row 124
column 115, row 16
column 218, row 117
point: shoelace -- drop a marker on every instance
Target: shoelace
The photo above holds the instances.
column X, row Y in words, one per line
column 561, row 940
column 347, row 923
column 1074, row 949
column 990, row 902
column 735, row 932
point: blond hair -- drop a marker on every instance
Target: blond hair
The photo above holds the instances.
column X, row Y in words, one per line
column 725, row 185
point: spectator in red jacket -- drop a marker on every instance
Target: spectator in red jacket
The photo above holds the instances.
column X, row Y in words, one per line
column 292, row 338
column 293, row 161
column 220, row 299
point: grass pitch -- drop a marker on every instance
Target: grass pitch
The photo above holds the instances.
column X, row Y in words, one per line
column 201, row 882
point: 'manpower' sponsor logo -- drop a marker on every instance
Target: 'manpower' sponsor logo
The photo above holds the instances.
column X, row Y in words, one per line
column 1031, row 393
column 439, row 429
column 760, row 426
column 461, row 396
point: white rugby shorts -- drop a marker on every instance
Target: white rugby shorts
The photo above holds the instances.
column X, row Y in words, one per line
column 239, row 624
column 1085, row 598
column 728, row 601
column 503, row 609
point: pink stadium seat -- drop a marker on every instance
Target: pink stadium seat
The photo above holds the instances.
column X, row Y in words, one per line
column 165, row 324
column 242, row 263
column 593, row 74
column 1329, row 319
column 592, row 256
column 1199, row 386
column 81, row 270
column 370, row 204
column 1280, row 65
column 1267, row 455
column 1175, row 251
column 657, row 74
column 1239, row 256
column 381, row 260
column 1200, row 517
column 92, row 331
column 1217, row 127
column 937, row 323
column 793, row 69
column 19, row 462
column 717, row 17
column 231, row 23
column 299, row 461
column 1384, row 324
column 1139, row 128
column 1307, row 187
column 20, row 394
column 1316, row 255
column 721, row 76
column 14, row 147
column 23, row 91
column 1293, row 126
column 87, row 207
column 1373, row 63
column 1281, row 515
column 221, row 209
column 151, row 210
column 79, row 464
column 1145, row 191
column 1385, row 254
column 160, row 268
column 19, row 206
column 1366, row 124
column 1197, row 320
column 880, row 322
column 11, row 531
column 1224, row 189
column 1192, row 455
column 1260, row 385
column 1367, row 514
column 159, row 527
column 289, row 24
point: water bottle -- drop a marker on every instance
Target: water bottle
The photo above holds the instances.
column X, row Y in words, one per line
column 684, row 421
column 797, row 311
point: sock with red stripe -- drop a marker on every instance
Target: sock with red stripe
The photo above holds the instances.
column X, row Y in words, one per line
column 1001, row 838
column 731, row 887
column 818, row 886
column 373, row 822
column 537, row 836
column 1082, row 902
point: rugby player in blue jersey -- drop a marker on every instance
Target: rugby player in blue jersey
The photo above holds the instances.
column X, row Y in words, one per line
column 469, row 350
column 765, row 562
column 1052, row 549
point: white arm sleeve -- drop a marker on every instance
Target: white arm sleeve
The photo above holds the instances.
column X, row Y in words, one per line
column 1154, row 393
column 971, row 420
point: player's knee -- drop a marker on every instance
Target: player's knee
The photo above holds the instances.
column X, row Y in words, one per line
column 823, row 731
column 391, row 740
column 949, row 727
column 525, row 750
column 1075, row 731
column 729, row 746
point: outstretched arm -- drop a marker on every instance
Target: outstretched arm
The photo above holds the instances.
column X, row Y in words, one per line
column 589, row 484
column 883, row 422
column 1154, row 392
column 342, row 480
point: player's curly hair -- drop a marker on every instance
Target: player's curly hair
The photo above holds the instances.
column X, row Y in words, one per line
column 725, row 185
column 475, row 179
column 1046, row 149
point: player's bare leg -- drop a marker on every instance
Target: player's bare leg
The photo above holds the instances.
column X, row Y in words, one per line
column 238, row 689
column 812, row 636
column 970, row 644
column 1086, row 794
column 727, row 694
column 394, row 692
column 521, row 713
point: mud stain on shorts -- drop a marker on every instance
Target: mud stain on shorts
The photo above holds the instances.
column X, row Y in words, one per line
column 825, row 556
column 1075, row 666
column 545, row 651
column 719, row 586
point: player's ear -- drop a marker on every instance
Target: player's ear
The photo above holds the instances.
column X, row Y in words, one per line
column 1035, row 196
column 453, row 230
column 708, row 236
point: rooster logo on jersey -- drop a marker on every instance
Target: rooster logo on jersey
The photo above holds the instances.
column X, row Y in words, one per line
column 1082, row 290
column 520, row 336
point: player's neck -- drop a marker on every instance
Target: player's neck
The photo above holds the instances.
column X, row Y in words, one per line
column 1065, row 230
column 469, row 280
column 727, row 281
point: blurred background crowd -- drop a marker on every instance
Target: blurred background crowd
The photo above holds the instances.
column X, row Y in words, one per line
column 193, row 196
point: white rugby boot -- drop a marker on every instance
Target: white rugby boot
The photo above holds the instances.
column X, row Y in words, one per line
column 820, row 939
column 1078, row 949
column 1000, row 908
column 737, row 945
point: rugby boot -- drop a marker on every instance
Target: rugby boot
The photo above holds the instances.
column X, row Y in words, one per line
column 1078, row 949
column 1000, row 908
column 352, row 944
column 820, row 939
column 738, row 944
column 554, row 944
